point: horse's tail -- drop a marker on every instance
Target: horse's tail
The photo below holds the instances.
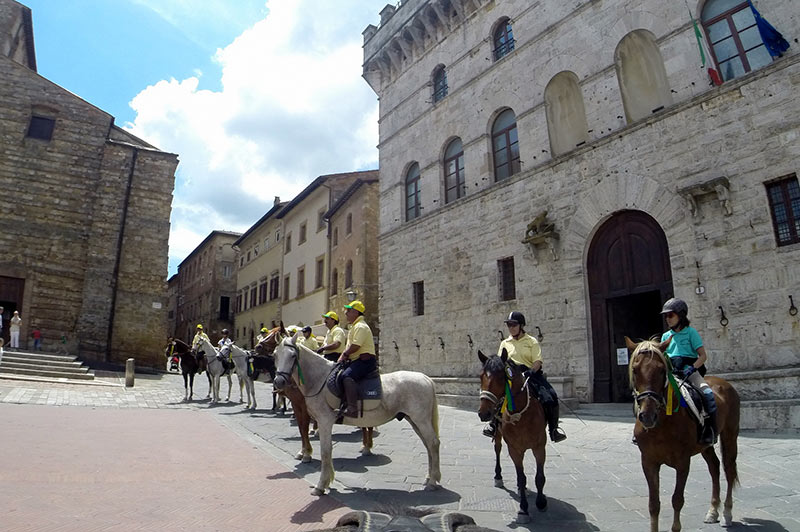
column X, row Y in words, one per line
column 729, row 437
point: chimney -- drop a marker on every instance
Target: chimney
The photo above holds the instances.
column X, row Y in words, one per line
column 277, row 200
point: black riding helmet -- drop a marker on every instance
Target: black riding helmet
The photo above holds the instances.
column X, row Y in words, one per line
column 678, row 306
column 516, row 317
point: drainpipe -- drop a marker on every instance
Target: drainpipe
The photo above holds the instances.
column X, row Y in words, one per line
column 118, row 258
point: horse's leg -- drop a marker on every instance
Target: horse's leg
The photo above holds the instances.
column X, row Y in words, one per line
column 522, row 484
column 427, row 432
column 325, row 451
column 498, row 446
column 210, row 384
column 651, row 471
column 185, row 387
column 681, row 476
column 730, row 450
column 713, row 468
column 303, row 420
column 230, row 387
column 366, row 441
column 191, row 385
column 251, row 384
column 541, row 455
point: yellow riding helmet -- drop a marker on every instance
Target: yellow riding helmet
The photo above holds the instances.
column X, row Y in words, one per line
column 264, row 329
column 356, row 305
column 332, row 315
column 199, row 326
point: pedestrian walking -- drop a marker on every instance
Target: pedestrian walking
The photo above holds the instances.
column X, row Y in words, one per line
column 16, row 322
column 36, row 334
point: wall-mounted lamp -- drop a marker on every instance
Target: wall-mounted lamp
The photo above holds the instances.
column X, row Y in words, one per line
column 792, row 308
column 539, row 336
column 441, row 342
column 723, row 319
column 469, row 341
column 351, row 295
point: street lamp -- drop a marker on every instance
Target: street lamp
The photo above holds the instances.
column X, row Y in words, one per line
column 351, row 295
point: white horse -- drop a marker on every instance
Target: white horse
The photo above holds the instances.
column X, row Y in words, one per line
column 239, row 357
column 406, row 394
column 215, row 370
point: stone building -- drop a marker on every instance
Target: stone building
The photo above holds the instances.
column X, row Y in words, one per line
column 206, row 282
column 573, row 161
column 353, row 239
column 84, row 216
column 258, row 278
column 304, row 291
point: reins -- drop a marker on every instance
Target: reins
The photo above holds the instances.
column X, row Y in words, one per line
column 508, row 401
column 669, row 379
column 288, row 375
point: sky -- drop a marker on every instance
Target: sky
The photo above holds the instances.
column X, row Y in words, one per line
column 257, row 97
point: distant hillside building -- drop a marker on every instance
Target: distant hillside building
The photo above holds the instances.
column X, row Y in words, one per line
column 573, row 161
column 84, row 216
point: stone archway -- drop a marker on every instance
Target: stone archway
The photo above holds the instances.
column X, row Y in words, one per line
column 629, row 276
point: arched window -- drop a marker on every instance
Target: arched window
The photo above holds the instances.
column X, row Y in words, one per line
column 641, row 75
column 735, row 40
column 334, row 282
column 454, row 186
column 503, row 40
column 505, row 145
column 348, row 274
column 566, row 114
column 439, row 84
column 412, row 193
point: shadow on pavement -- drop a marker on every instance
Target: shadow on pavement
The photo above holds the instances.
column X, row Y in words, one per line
column 359, row 464
column 762, row 525
column 393, row 501
column 315, row 511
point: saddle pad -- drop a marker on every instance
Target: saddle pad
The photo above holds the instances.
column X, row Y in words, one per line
column 368, row 388
column 691, row 398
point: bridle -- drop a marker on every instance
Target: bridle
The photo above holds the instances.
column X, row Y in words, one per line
column 497, row 404
column 638, row 396
column 287, row 375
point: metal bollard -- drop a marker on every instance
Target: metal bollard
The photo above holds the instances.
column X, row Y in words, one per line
column 129, row 369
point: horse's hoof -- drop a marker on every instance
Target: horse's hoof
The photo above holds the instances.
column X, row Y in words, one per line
column 299, row 455
column 541, row 505
column 306, row 458
column 366, row 451
column 727, row 519
column 523, row 518
column 711, row 517
column 498, row 483
column 318, row 492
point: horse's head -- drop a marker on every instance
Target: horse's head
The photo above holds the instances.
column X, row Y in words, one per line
column 648, row 373
column 268, row 344
column 169, row 350
column 225, row 350
column 285, row 360
column 494, row 375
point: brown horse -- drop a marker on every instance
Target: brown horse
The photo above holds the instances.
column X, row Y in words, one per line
column 190, row 365
column 522, row 428
column 672, row 438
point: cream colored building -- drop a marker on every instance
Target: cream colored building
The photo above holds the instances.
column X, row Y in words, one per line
column 654, row 182
column 258, row 282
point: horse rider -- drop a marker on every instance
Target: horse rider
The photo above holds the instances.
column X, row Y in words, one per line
column 308, row 339
column 199, row 336
column 359, row 356
column 262, row 335
column 524, row 351
column 335, row 338
column 688, row 357
column 225, row 340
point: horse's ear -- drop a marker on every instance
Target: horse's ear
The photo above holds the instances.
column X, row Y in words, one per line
column 663, row 345
column 504, row 355
column 283, row 329
column 630, row 343
column 482, row 357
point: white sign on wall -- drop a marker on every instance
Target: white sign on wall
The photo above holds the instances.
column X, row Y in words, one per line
column 622, row 356
column 156, row 304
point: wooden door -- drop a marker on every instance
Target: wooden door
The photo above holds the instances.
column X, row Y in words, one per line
column 629, row 277
column 11, row 290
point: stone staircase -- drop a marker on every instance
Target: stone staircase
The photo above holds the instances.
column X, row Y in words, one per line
column 22, row 364
column 463, row 392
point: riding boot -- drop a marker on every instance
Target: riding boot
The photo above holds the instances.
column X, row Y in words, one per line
column 350, row 407
column 551, row 415
column 710, row 426
column 490, row 429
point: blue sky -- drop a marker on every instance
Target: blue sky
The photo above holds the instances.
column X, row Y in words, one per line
column 256, row 97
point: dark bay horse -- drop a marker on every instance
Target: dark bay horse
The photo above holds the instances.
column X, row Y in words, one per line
column 190, row 365
column 671, row 438
column 522, row 428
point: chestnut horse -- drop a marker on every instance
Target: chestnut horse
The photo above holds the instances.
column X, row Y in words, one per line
column 190, row 365
column 523, row 424
column 671, row 438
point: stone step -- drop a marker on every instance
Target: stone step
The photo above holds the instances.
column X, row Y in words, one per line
column 50, row 373
column 765, row 385
column 42, row 357
column 28, row 364
column 33, row 363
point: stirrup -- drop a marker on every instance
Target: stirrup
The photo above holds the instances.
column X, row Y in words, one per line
column 557, row 435
column 490, row 431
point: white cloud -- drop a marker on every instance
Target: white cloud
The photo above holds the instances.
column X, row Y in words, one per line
column 292, row 106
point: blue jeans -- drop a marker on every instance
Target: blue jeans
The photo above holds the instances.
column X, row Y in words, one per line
column 358, row 369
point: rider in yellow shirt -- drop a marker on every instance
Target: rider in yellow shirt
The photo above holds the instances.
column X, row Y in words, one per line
column 200, row 335
column 359, row 356
column 335, row 339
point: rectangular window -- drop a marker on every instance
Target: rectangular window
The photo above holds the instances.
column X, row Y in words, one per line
column 248, row 255
column 224, row 307
column 321, row 220
column 334, row 282
column 301, row 280
column 262, row 293
column 274, row 285
column 286, row 288
column 349, row 224
column 302, row 237
column 41, row 128
column 255, row 250
column 238, row 302
column 784, row 204
column 320, row 273
column 418, row 296
column 335, row 236
column 288, row 242
column 253, row 295
column 505, row 275
column 244, row 299
column 226, row 271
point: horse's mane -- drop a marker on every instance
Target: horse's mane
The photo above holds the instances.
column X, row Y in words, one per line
column 181, row 342
column 494, row 364
column 645, row 346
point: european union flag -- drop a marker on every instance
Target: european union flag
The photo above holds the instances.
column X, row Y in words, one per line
column 772, row 38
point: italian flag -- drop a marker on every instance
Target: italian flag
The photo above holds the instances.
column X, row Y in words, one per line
column 706, row 61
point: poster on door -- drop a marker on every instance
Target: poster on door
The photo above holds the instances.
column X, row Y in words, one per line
column 622, row 356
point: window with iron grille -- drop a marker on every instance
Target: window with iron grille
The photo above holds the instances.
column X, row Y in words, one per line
column 439, row 84
column 41, row 128
column 505, row 276
column 735, row 40
column 454, row 185
column 503, row 40
column 418, row 297
column 320, row 273
column 412, row 193
column 505, row 145
column 784, row 204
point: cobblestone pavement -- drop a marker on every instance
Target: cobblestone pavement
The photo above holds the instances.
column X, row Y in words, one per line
column 594, row 481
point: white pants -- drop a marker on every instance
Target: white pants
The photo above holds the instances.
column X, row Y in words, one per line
column 15, row 339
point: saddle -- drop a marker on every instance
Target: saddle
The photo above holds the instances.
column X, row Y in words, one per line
column 692, row 399
column 369, row 390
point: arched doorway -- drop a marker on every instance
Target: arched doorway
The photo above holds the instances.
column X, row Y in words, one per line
column 629, row 278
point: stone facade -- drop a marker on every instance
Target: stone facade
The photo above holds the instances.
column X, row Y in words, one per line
column 353, row 237
column 84, row 220
column 258, row 280
column 206, row 282
column 693, row 169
